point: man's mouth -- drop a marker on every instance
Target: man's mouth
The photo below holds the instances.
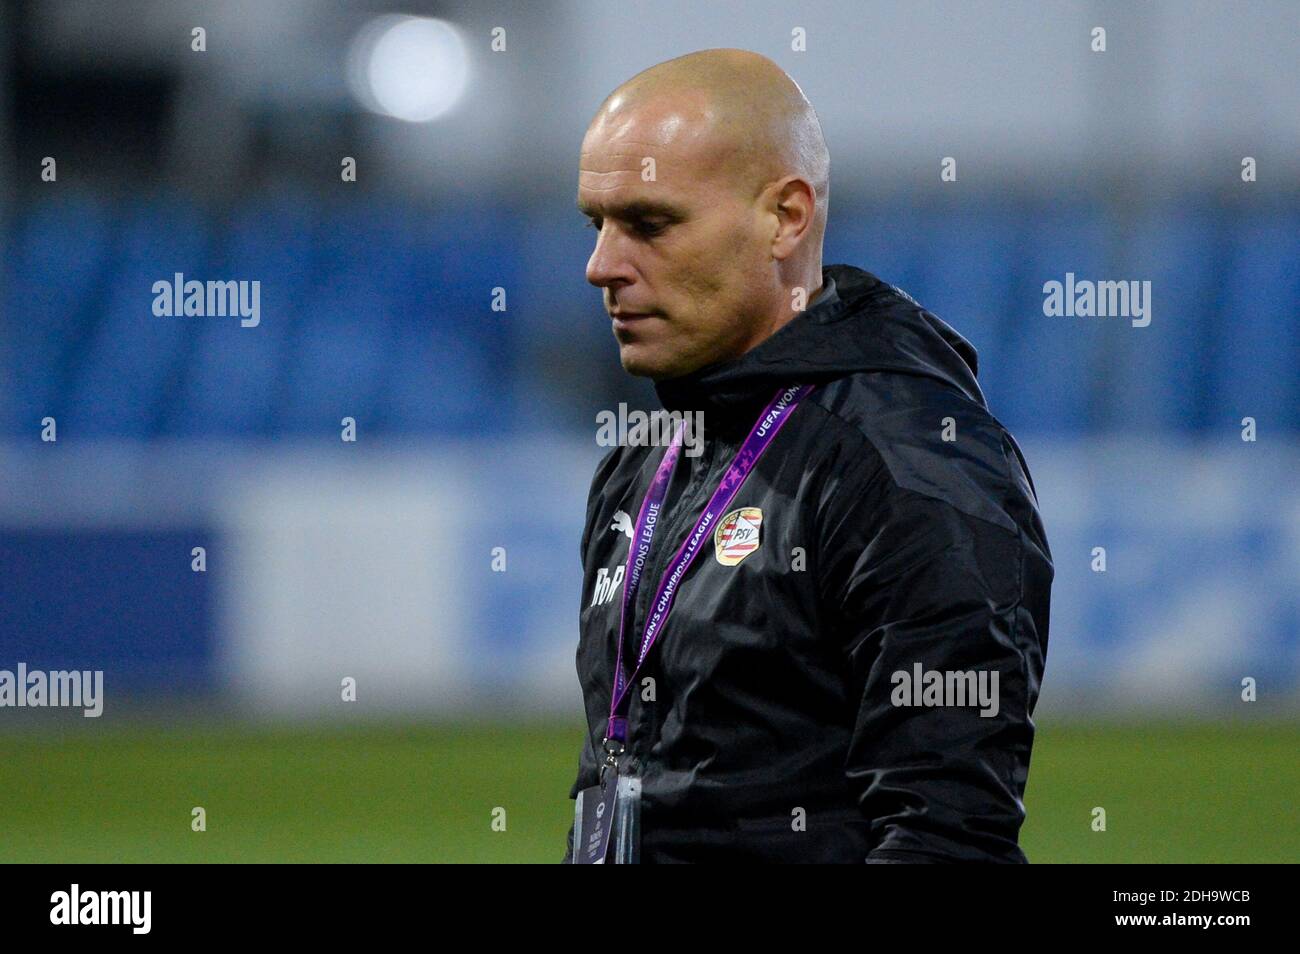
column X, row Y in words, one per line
column 624, row 320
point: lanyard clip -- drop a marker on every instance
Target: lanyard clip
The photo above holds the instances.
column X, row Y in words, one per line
column 613, row 749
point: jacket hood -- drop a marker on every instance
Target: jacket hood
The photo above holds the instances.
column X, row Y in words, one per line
column 866, row 324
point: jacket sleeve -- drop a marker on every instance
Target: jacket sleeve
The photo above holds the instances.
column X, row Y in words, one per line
column 917, row 584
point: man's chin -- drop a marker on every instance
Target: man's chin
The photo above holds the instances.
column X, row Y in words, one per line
column 642, row 363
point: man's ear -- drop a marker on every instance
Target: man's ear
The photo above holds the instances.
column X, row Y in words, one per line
column 795, row 204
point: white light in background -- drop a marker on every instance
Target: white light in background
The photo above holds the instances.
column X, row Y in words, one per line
column 411, row 68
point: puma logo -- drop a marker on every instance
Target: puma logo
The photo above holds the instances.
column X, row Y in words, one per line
column 622, row 523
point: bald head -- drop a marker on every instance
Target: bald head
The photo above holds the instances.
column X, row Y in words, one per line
column 737, row 106
column 707, row 177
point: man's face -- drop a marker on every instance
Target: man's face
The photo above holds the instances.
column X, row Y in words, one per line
column 682, row 256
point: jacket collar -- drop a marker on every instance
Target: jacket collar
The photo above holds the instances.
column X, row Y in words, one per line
column 858, row 323
column 726, row 388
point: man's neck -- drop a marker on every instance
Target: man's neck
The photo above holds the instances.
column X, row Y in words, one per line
column 783, row 318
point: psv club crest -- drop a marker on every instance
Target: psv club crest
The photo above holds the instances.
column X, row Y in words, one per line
column 737, row 536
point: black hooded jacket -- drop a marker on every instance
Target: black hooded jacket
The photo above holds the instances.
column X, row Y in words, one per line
column 899, row 534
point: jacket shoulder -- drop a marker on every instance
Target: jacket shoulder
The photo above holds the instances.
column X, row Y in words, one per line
column 931, row 439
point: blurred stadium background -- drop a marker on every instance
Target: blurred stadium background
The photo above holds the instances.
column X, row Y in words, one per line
column 475, row 427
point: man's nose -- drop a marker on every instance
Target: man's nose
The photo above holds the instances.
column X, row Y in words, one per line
column 609, row 265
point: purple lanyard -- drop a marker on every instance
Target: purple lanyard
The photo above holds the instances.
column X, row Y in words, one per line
column 769, row 422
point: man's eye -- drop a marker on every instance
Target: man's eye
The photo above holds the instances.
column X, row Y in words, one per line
column 649, row 229
column 592, row 225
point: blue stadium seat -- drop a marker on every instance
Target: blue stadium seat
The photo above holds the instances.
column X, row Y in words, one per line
column 883, row 239
column 556, row 297
column 1052, row 363
column 384, row 313
column 966, row 274
column 445, row 383
column 58, row 260
column 397, row 328
column 1157, row 374
column 235, row 373
column 126, row 375
column 453, row 368
column 1255, row 368
column 336, row 363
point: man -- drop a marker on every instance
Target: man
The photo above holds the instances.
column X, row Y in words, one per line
column 838, row 617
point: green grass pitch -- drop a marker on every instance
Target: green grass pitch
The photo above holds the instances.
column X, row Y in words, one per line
column 416, row 793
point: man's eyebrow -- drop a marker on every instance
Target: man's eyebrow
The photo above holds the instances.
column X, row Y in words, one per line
column 636, row 209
